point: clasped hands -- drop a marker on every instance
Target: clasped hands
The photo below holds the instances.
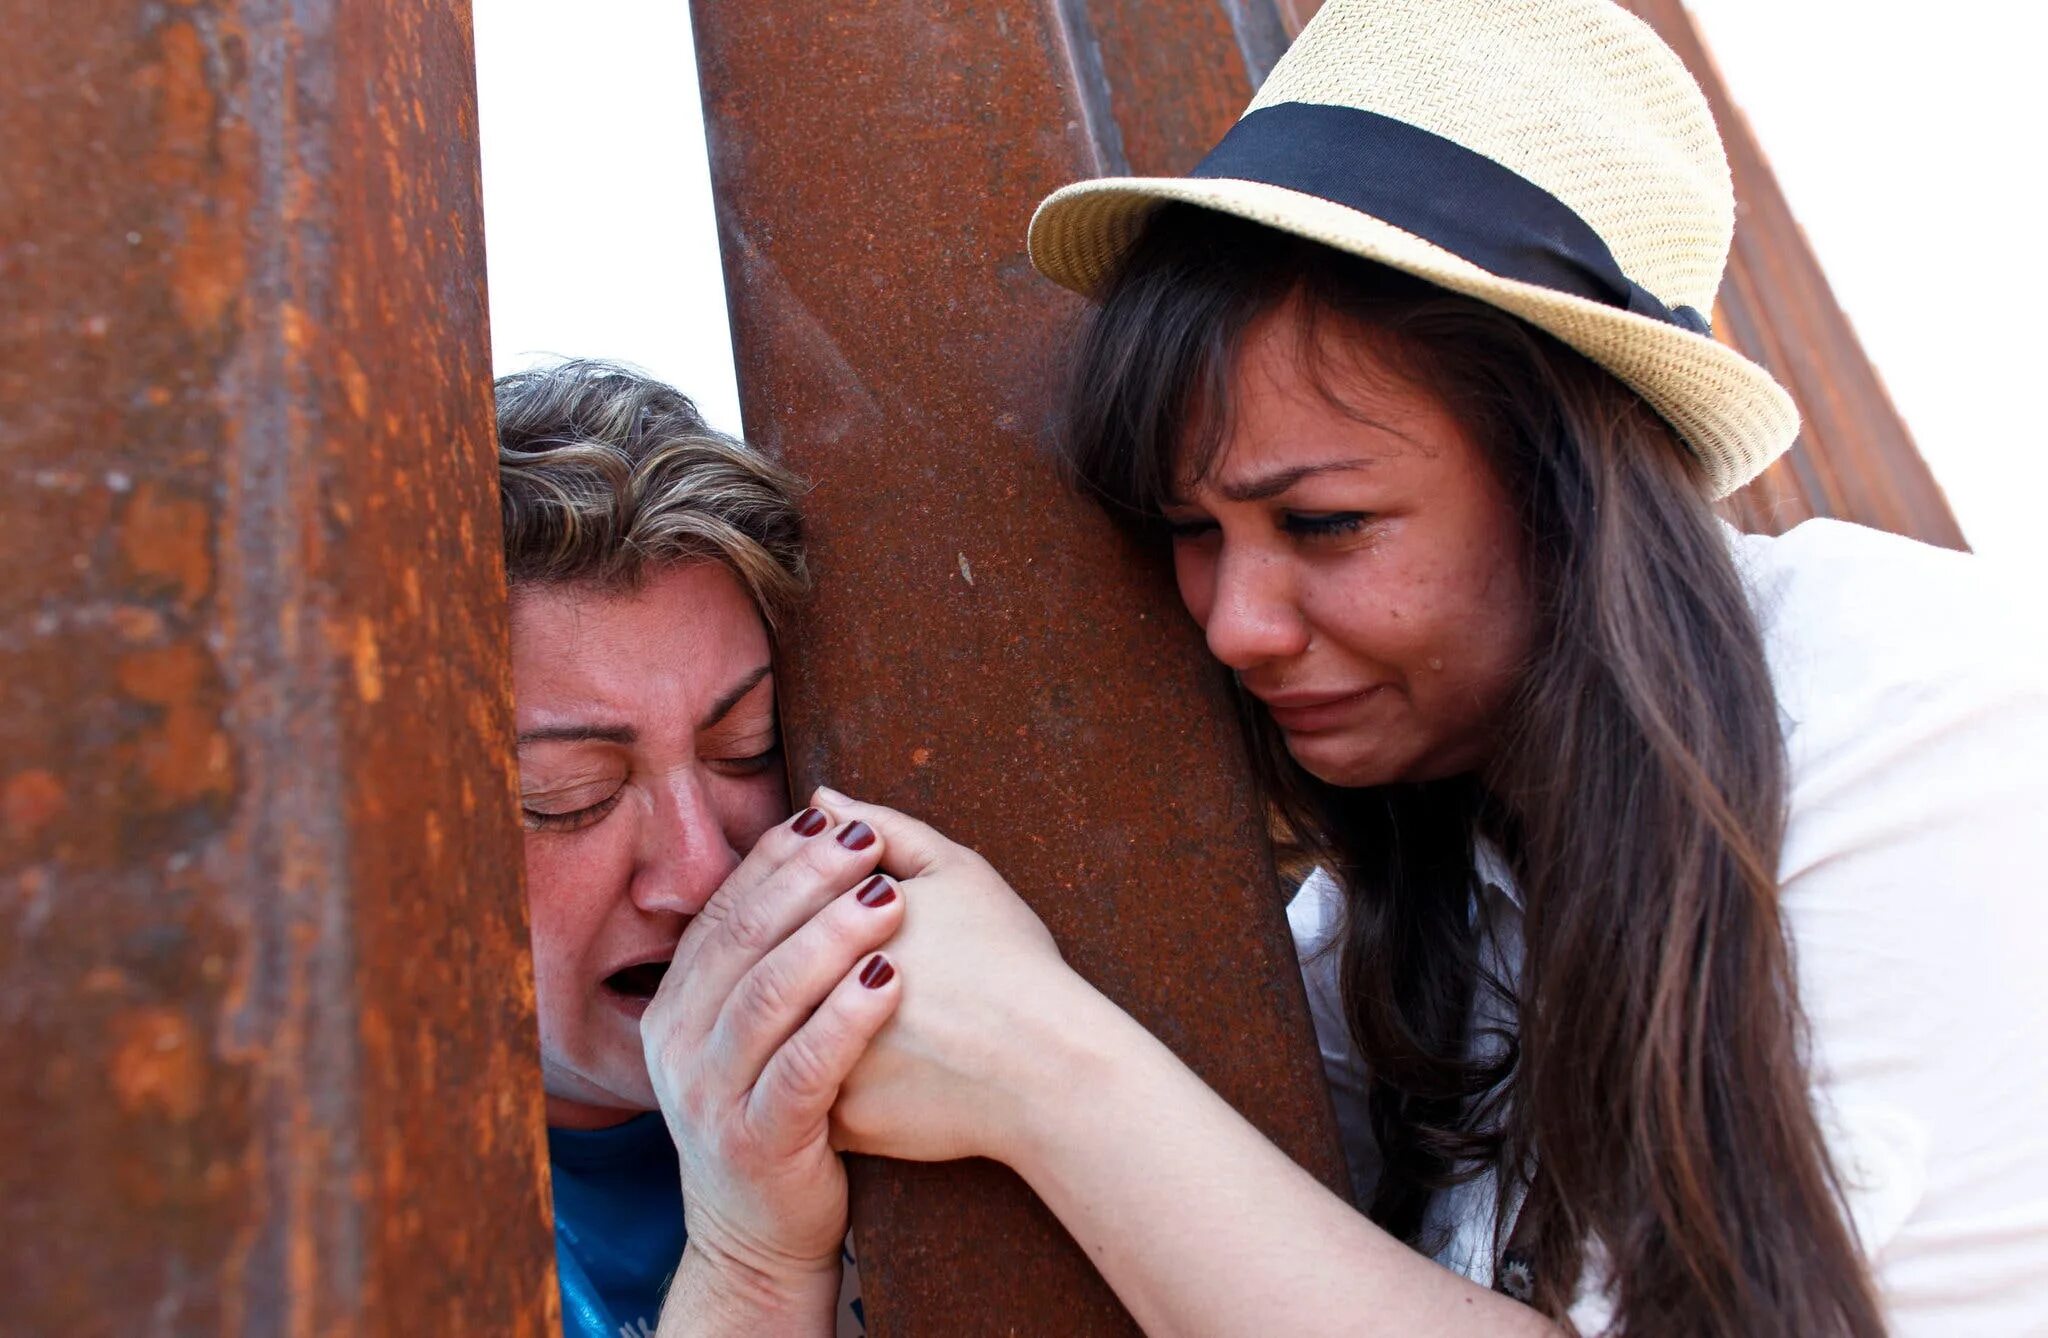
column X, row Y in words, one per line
column 858, row 983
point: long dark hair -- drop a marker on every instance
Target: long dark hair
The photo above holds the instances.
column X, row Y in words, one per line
column 1651, row 1097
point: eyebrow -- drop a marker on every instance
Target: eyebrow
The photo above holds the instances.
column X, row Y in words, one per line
column 620, row 734
column 1264, row 487
column 625, row 735
column 721, row 707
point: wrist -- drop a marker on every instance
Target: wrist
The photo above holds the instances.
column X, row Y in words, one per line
column 717, row 1292
column 1065, row 1077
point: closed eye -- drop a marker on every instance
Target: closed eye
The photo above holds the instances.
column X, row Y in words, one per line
column 1323, row 524
column 753, row 764
column 1191, row 528
column 570, row 820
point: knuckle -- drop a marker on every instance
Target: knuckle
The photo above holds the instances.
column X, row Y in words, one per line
column 750, row 923
column 710, row 917
column 769, row 989
column 807, row 1069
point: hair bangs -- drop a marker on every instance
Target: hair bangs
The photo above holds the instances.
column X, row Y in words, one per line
column 1147, row 412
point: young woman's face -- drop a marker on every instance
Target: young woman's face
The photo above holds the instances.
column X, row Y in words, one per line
column 647, row 765
column 1357, row 566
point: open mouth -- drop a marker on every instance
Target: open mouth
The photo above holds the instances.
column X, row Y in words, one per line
column 638, row 981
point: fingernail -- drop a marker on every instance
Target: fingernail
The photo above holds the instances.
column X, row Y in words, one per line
column 876, row 891
column 832, row 796
column 857, row 836
column 809, row 822
column 877, row 972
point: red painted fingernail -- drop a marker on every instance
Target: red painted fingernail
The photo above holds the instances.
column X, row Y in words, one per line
column 857, row 836
column 809, row 822
column 876, row 891
column 877, row 972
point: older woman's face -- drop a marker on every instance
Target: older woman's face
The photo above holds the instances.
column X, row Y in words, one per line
column 1360, row 571
column 647, row 765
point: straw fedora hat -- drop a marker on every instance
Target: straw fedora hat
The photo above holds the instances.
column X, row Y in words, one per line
column 1550, row 157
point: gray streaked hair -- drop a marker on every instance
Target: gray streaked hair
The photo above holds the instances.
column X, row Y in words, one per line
column 606, row 474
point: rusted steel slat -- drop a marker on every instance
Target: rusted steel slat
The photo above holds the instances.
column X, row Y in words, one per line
column 984, row 650
column 1295, row 14
column 1166, row 81
column 270, row 1058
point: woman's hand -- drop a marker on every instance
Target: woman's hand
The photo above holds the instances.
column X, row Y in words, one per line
column 774, row 993
column 987, row 1005
column 999, row 1049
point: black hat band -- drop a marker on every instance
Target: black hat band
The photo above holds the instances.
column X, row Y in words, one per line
column 1438, row 190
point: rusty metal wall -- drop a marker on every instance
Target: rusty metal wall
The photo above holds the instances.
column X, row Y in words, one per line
column 270, row 1064
column 984, row 650
column 1854, row 459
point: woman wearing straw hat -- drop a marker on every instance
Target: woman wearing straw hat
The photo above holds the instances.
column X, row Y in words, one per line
column 1675, row 958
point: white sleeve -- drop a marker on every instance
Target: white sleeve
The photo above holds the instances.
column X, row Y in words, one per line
column 1918, row 910
column 1316, row 917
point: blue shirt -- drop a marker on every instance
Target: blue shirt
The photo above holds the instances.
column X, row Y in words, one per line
column 618, row 1225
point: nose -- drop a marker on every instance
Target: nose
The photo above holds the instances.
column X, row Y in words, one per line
column 1254, row 611
column 683, row 853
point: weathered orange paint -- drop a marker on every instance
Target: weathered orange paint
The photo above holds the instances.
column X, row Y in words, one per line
column 154, row 1064
column 31, row 801
column 270, row 1064
column 168, row 543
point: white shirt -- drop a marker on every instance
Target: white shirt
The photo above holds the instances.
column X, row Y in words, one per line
column 1913, row 690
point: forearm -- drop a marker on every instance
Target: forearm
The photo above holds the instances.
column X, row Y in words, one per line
column 711, row 1297
column 1201, row 1225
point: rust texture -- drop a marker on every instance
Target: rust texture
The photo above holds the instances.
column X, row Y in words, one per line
column 984, row 650
column 1854, row 459
column 270, row 1056
column 1295, row 14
